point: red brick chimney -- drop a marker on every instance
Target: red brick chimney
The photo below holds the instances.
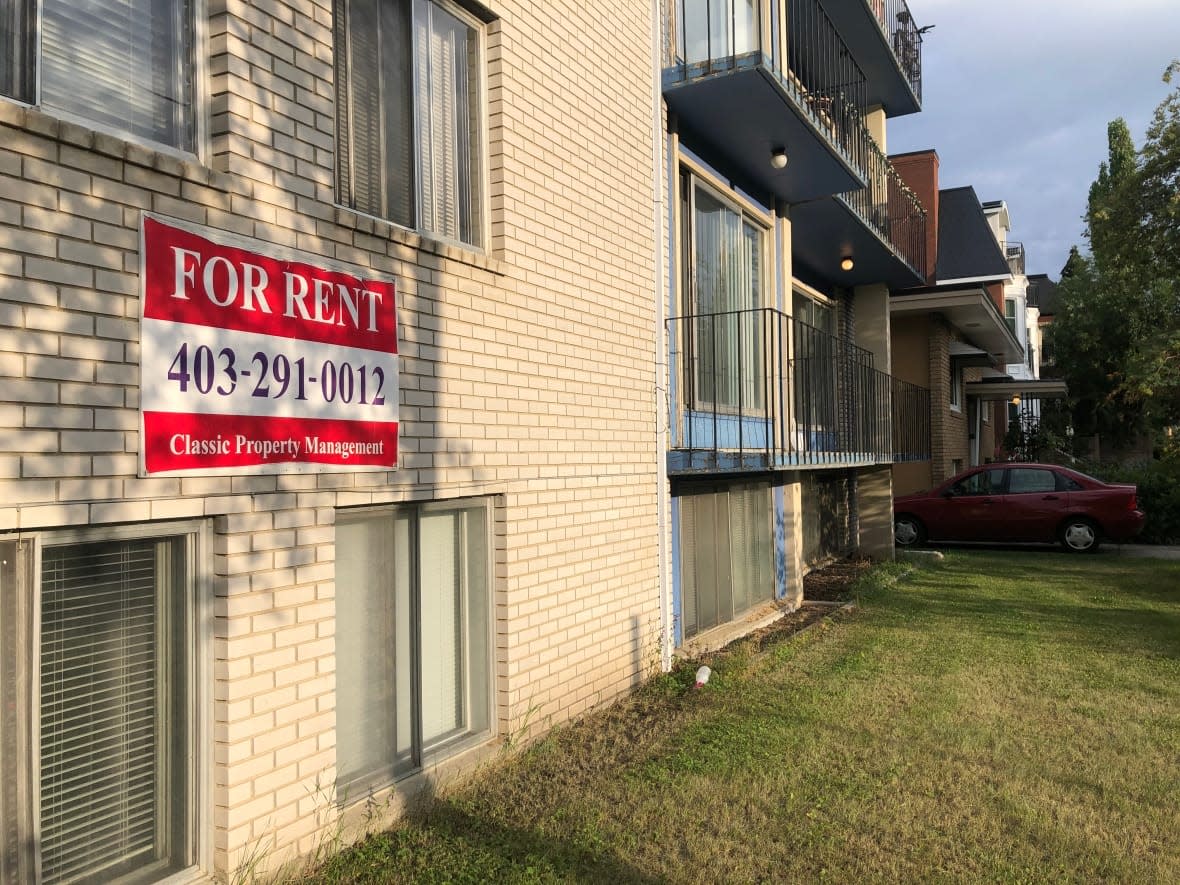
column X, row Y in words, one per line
column 919, row 170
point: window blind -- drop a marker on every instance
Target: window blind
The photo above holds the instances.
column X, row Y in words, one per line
column 121, row 63
column 441, row 607
column 112, row 708
column 17, row 18
column 447, row 55
column 366, row 678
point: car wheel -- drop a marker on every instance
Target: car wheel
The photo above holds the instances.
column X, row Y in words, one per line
column 908, row 531
column 1079, row 535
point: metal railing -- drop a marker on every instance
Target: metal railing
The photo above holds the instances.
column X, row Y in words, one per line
column 911, row 421
column 757, row 389
column 1015, row 255
column 890, row 208
column 904, row 37
column 818, row 72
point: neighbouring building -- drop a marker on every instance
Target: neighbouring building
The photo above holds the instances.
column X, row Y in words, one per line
column 1027, row 393
column 328, row 335
column 787, row 227
column 950, row 331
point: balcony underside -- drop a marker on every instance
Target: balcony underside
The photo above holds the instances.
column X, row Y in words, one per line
column 876, row 53
column 684, row 462
column 714, row 443
column 743, row 114
column 825, row 231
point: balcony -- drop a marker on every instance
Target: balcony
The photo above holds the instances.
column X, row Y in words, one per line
column 882, row 228
column 1015, row 255
column 911, row 422
column 887, row 45
column 756, row 390
column 743, row 86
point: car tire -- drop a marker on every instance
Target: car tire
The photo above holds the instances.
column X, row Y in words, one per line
column 908, row 531
column 1079, row 535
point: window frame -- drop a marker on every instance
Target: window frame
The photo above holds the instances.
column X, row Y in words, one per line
column 423, row 755
column 955, row 391
column 481, row 21
column 692, row 495
column 197, row 99
column 692, row 177
column 198, row 677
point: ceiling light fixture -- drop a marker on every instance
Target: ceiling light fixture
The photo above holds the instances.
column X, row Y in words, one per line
column 846, row 263
column 778, row 158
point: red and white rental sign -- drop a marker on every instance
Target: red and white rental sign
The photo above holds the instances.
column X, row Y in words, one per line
column 256, row 364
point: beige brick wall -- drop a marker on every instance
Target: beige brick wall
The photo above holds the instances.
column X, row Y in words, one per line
column 527, row 373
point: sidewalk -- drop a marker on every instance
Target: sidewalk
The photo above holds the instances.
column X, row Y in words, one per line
column 1142, row 551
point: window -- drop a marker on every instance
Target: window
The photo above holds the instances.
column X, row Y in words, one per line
column 815, row 313
column 413, row 668
column 409, row 117
column 1031, row 479
column 956, row 385
column 109, row 661
column 121, row 64
column 724, row 284
column 815, row 368
column 714, row 29
column 726, row 551
column 1010, row 315
column 985, row 482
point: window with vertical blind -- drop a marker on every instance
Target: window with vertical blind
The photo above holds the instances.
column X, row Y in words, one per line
column 99, row 779
column 726, row 553
column 409, row 114
column 125, row 65
column 413, row 667
column 724, row 284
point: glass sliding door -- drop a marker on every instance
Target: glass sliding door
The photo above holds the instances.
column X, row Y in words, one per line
column 725, row 296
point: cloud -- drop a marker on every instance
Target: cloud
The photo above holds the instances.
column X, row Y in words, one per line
column 1017, row 97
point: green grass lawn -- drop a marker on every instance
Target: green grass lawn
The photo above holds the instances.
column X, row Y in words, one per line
column 1001, row 716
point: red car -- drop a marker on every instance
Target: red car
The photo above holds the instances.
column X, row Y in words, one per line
column 1019, row 502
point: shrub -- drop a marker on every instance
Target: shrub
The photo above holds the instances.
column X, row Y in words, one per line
column 1159, row 493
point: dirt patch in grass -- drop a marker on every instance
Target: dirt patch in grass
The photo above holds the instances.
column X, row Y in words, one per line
column 834, row 582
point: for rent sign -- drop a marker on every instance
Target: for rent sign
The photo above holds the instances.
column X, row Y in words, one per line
column 252, row 363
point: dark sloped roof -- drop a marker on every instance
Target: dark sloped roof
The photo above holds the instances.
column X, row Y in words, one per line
column 1042, row 293
column 967, row 248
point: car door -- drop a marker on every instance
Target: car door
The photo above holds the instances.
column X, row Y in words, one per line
column 1032, row 505
column 967, row 511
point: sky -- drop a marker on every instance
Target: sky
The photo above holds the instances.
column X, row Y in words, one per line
column 1017, row 95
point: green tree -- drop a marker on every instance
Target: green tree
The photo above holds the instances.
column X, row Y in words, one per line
column 1117, row 331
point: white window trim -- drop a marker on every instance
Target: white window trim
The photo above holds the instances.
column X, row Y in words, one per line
column 200, row 675
column 955, row 394
column 199, row 98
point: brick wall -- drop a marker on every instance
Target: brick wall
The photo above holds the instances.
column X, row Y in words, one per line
column 919, row 170
column 527, row 373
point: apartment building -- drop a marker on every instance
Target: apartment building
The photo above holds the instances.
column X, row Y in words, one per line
column 964, row 335
column 787, row 229
column 328, row 335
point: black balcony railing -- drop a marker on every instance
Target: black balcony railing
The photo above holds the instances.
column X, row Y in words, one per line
column 911, row 422
column 890, row 208
column 905, row 38
column 756, row 389
column 818, row 73
column 821, row 76
column 1015, row 254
